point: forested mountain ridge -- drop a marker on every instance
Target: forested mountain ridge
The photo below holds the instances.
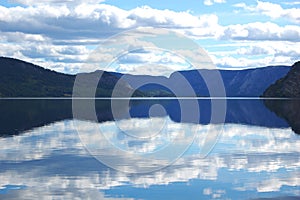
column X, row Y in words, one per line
column 22, row 79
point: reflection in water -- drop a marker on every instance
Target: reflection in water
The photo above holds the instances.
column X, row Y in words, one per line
column 288, row 110
column 247, row 162
column 18, row 116
column 21, row 115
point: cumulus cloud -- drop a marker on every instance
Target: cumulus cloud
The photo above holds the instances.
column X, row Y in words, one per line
column 252, row 54
column 280, row 49
column 96, row 21
column 22, row 37
column 233, row 62
column 261, row 31
column 69, row 2
column 38, row 30
column 273, row 10
column 240, row 5
column 292, row 3
column 61, row 58
column 254, row 50
column 101, row 21
column 211, row 2
column 276, row 11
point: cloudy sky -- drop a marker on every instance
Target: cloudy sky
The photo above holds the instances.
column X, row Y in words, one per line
column 60, row 34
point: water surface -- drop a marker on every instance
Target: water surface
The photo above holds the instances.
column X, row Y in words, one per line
column 256, row 154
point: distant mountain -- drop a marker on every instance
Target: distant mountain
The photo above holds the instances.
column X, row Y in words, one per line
column 252, row 82
column 23, row 79
column 288, row 86
column 237, row 83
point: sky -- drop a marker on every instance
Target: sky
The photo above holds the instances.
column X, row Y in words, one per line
column 62, row 34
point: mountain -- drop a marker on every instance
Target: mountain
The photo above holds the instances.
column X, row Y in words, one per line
column 237, row 83
column 23, row 79
column 20, row 79
column 252, row 82
column 288, row 86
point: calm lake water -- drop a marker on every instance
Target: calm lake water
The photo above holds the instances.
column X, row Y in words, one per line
column 158, row 151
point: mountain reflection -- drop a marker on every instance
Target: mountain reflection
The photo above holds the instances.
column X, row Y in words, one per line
column 287, row 109
column 18, row 116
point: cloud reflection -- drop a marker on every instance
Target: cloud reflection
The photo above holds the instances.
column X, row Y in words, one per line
column 52, row 161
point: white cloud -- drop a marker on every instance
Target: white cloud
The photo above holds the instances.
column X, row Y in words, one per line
column 154, row 63
column 211, row 2
column 49, row 25
column 55, row 2
column 292, row 3
column 135, row 51
column 98, row 20
column 146, row 16
column 254, row 50
column 19, row 37
column 268, row 48
column 233, row 62
column 261, row 31
column 101, row 20
column 252, row 54
column 272, row 10
column 240, row 5
column 61, row 58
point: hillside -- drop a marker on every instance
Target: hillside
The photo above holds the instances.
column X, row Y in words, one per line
column 23, row 79
column 237, row 83
column 288, row 86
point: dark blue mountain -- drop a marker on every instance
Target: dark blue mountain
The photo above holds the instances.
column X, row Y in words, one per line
column 22, row 79
column 237, row 83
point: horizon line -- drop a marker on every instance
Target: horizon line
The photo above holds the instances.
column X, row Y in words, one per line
column 149, row 98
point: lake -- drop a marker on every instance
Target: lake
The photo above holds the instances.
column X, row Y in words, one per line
column 148, row 149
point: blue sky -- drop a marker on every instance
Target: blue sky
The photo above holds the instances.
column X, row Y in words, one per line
column 61, row 34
